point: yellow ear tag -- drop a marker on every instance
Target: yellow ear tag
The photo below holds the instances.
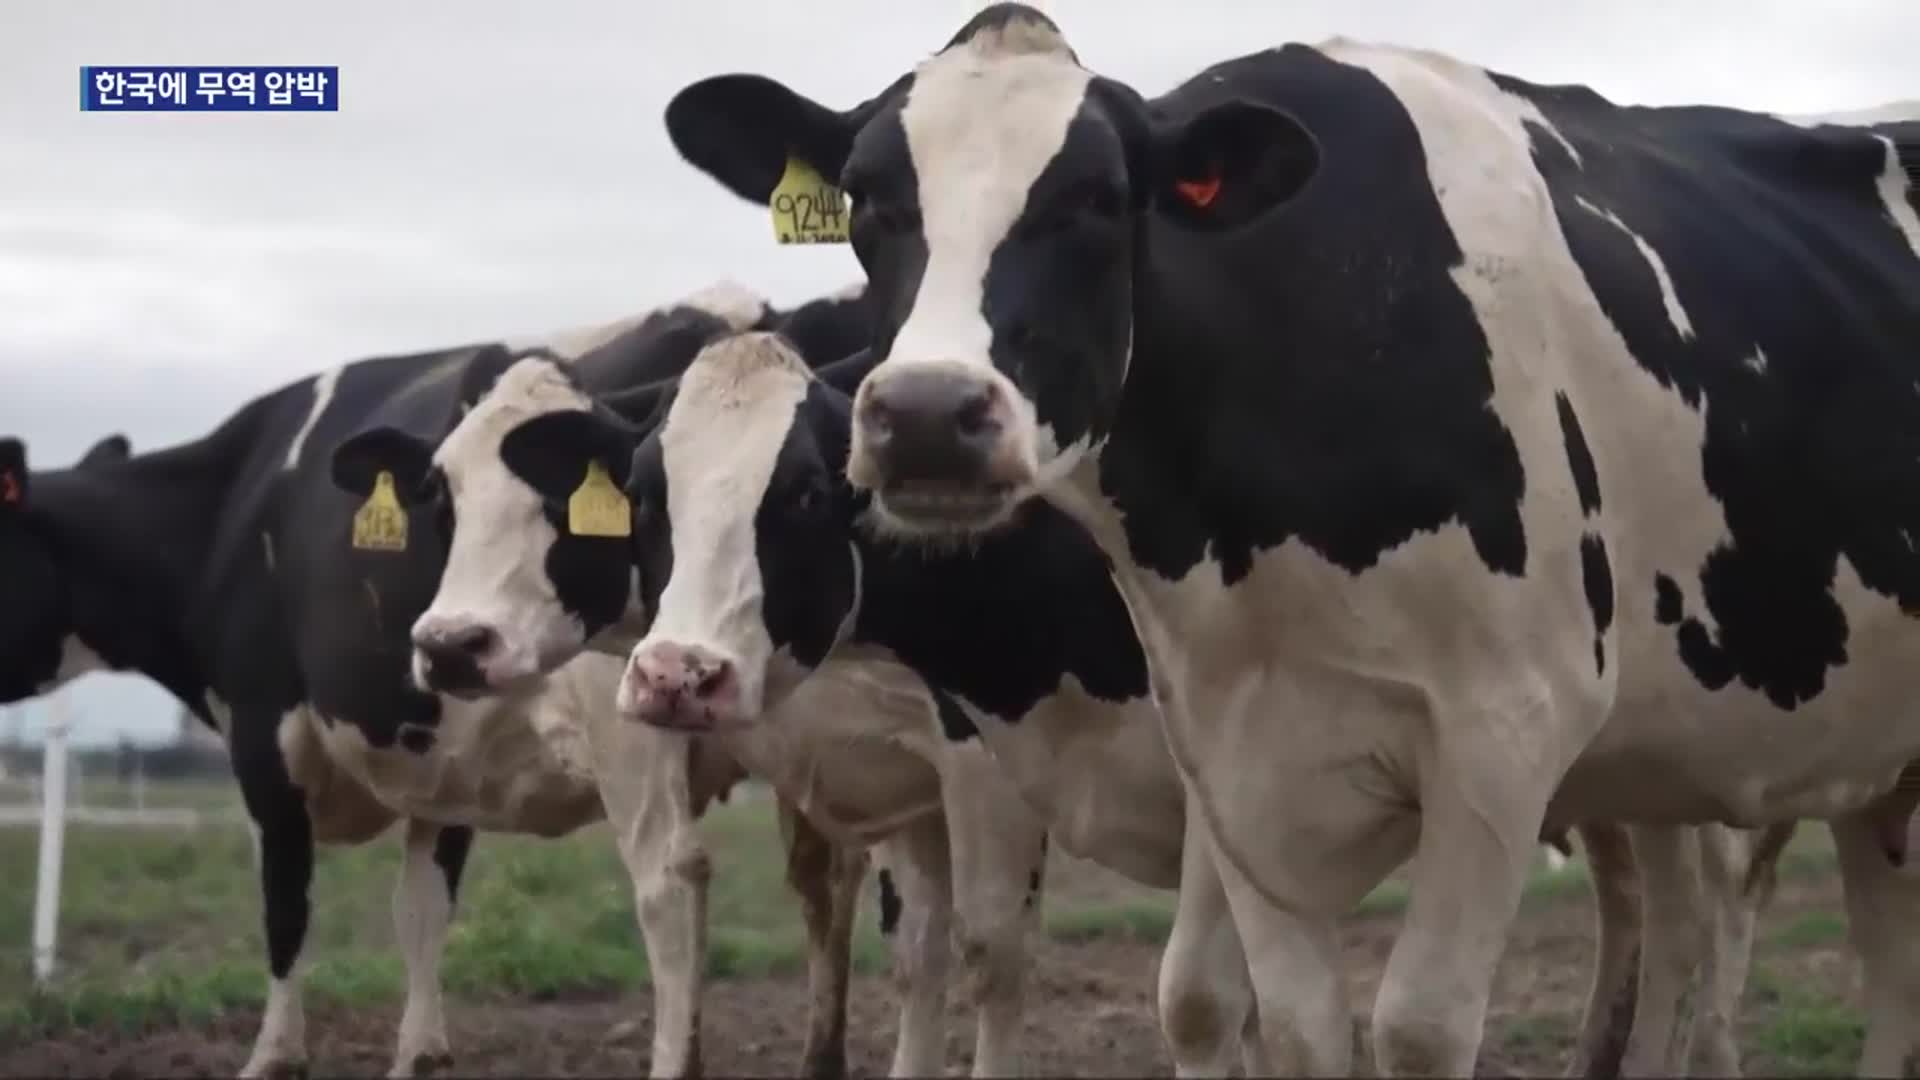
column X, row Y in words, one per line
column 380, row 524
column 807, row 209
column 597, row 508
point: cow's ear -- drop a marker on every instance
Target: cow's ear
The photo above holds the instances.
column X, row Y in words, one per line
column 13, row 476
column 551, row 452
column 114, row 448
column 741, row 129
column 1229, row 164
column 361, row 458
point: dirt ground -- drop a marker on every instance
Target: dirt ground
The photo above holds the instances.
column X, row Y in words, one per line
column 1090, row 1012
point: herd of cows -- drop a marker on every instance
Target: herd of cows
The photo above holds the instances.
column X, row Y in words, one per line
column 1351, row 459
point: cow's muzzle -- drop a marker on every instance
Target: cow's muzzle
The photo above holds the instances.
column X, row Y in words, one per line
column 679, row 687
column 937, row 445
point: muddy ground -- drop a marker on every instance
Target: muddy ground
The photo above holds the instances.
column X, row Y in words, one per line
column 1089, row 1012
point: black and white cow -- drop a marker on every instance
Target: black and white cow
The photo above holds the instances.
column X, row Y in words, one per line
column 222, row 570
column 522, row 593
column 1473, row 454
column 765, row 574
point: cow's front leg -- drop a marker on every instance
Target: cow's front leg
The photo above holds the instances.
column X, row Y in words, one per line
column 423, row 902
column 1204, row 995
column 918, row 922
column 283, row 855
column 827, row 876
column 1614, row 992
column 1482, row 798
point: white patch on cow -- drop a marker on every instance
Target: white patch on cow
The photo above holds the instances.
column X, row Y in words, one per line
column 496, row 566
column 283, row 1028
column 719, row 445
column 76, row 659
column 323, row 387
column 853, row 290
column 1895, row 187
column 982, row 121
column 1676, row 314
column 1757, row 363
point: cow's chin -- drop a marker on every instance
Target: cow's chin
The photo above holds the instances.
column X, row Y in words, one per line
column 911, row 513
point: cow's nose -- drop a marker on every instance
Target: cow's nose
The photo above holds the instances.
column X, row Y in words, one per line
column 688, row 687
column 453, row 656
column 933, row 426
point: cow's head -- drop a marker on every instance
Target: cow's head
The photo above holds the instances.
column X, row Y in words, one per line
column 742, row 533
column 522, row 593
column 45, row 626
column 1002, row 202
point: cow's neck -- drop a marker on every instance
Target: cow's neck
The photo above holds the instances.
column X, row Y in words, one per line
column 135, row 534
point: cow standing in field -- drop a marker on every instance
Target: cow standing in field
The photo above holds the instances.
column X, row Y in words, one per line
column 524, row 591
column 755, row 573
column 225, row 570
column 1475, row 457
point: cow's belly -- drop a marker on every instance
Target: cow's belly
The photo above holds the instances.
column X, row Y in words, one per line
column 1675, row 751
column 1099, row 776
column 853, row 749
column 495, row 771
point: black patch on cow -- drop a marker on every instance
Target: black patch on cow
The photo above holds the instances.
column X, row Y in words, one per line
column 1800, row 292
column 1667, row 603
column 1597, row 574
column 890, row 905
column 1317, row 374
column 1586, row 481
column 1002, row 621
column 450, row 851
column 417, row 738
column 805, row 566
column 954, row 723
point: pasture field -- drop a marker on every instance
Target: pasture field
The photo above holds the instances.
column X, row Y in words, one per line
column 162, row 969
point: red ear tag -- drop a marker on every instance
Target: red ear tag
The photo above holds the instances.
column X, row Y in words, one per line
column 1200, row 193
column 9, row 489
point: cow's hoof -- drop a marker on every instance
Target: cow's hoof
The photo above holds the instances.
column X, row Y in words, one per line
column 427, row 1064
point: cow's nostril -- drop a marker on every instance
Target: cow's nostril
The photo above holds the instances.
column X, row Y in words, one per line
column 471, row 641
column 974, row 415
column 712, row 678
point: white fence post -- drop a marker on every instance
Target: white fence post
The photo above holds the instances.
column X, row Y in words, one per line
column 53, row 830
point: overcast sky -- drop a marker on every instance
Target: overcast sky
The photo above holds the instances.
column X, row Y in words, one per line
column 499, row 168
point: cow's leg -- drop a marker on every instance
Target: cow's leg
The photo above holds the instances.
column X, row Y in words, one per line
column 1883, row 919
column 643, row 774
column 1738, row 888
column 1616, row 961
column 423, row 902
column 1205, row 997
column 1482, row 799
column 999, row 849
column 917, row 872
column 283, row 854
column 827, row 876
column 1296, row 969
column 1679, row 937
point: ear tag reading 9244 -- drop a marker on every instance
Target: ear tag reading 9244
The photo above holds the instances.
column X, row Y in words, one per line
column 806, row 209
column 598, row 508
column 380, row 524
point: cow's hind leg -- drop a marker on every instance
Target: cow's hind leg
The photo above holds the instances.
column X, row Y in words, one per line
column 423, row 901
column 827, row 876
column 1616, row 964
column 1883, row 919
column 1205, row 996
column 1674, row 962
column 283, row 854
column 1738, row 865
